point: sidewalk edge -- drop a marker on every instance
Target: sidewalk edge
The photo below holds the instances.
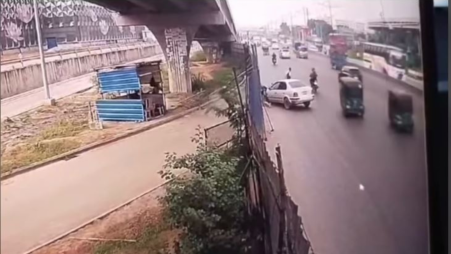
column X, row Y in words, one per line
column 69, row 154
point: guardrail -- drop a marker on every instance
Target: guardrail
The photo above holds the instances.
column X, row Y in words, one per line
column 15, row 58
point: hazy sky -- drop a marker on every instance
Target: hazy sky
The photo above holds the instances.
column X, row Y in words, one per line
column 261, row 12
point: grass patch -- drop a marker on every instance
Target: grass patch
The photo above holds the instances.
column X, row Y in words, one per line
column 24, row 155
column 63, row 129
column 223, row 76
column 199, row 57
column 154, row 240
column 198, row 82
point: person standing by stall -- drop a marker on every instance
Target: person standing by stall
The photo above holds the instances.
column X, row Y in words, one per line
column 155, row 85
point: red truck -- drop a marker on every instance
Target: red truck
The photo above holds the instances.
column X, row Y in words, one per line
column 338, row 49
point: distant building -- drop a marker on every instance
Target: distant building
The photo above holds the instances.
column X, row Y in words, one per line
column 301, row 33
column 62, row 21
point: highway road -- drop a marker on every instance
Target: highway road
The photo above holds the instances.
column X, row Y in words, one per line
column 360, row 186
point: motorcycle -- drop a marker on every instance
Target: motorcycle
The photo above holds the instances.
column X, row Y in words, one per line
column 274, row 61
column 315, row 86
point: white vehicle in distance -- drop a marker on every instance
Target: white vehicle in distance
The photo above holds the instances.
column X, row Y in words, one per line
column 290, row 93
column 303, row 52
column 367, row 61
column 285, row 53
column 275, row 46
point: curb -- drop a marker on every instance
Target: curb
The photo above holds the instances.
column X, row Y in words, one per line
column 400, row 82
column 103, row 215
column 69, row 154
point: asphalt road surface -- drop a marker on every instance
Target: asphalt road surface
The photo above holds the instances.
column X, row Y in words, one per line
column 360, row 186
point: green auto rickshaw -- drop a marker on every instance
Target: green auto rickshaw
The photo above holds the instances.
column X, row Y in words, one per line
column 400, row 110
column 351, row 97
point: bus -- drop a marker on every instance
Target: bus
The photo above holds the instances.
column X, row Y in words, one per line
column 387, row 59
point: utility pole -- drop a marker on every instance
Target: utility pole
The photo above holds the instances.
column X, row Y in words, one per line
column 329, row 6
column 41, row 53
column 330, row 14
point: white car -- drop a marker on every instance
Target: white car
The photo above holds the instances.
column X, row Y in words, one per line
column 290, row 93
column 303, row 53
column 275, row 46
column 284, row 54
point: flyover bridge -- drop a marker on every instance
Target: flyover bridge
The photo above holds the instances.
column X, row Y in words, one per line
column 175, row 24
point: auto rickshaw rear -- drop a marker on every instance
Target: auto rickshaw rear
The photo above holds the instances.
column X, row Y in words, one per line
column 400, row 111
column 351, row 97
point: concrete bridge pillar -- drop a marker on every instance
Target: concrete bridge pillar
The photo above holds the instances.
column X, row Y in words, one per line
column 176, row 45
column 212, row 51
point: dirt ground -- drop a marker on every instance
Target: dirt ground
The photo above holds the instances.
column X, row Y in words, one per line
column 48, row 131
column 141, row 221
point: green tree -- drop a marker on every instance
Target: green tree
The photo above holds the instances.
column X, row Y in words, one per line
column 285, row 29
column 208, row 203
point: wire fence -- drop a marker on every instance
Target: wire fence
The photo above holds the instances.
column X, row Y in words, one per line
column 282, row 229
column 277, row 227
column 220, row 134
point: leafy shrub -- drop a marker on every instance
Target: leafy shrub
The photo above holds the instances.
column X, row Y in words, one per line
column 229, row 94
column 199, row 57
column 208, row 204
column 198, row 82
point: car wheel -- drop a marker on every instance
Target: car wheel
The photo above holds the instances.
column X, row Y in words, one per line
column 307, row 104
column 286, row 103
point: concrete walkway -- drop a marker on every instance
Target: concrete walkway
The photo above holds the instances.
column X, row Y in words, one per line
column 32, row 99
column 45, row 203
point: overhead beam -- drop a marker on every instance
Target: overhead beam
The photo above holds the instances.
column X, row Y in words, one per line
column 181, row 4
column 171, row 20
column 213, row 5
column 221, row 38
column 112, row 5
column 144, row 4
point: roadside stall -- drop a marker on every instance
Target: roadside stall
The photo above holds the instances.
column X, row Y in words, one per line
column 131, row 92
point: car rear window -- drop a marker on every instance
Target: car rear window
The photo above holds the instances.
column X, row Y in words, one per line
column 354, row 92
column 297, row 84
column 354, row 71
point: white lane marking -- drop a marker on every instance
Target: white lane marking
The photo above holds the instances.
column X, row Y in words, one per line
column 361, row 187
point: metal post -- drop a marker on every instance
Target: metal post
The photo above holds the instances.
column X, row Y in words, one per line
column 330, row 13
column 41, row 52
